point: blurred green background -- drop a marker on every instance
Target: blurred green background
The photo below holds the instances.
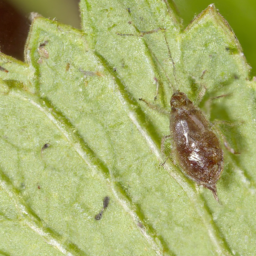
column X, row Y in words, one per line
column 241, row 15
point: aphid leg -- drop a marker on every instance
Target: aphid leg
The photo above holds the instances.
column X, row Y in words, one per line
column 201, row 94
column 221, row 96
column 208, row 103
column 156, row 107
column 226, row 144
column 163, row 142
column 222, row 122
column 162, row 148
column 202, row 91
column 202, row 76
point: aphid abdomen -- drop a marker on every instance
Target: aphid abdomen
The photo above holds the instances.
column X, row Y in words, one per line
column 197, row 148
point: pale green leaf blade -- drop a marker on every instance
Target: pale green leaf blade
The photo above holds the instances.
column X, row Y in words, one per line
column 84, row 103
column 112, row 114
column 207, row 44
column 58, row 190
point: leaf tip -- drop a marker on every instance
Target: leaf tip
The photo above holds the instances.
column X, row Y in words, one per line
column 34, row 15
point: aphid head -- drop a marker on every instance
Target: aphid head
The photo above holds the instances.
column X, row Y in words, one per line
column 179, row 99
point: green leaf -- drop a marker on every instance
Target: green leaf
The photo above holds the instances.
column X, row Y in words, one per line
column 73, row 131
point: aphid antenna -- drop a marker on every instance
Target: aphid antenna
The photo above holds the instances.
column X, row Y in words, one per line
column 142, row 34
column 173, row 66
column 174, row 88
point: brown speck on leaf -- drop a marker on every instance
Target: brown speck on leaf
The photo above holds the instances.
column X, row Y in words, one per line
column 98, row 73
column 46, row 145
column 4, row 70
column 44, row 43
column 67, row 66
column 90, row 73
column 43, row 53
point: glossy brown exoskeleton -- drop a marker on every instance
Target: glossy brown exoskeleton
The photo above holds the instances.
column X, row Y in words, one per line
column 196, row 147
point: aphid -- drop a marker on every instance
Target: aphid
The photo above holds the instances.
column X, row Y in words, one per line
column 196, row 147
column 106, row 202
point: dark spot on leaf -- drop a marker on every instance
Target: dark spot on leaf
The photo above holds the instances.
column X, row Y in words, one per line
column 105, row 205
column 106, row 202
column 68, row 67
column 45, row 146
column 232, row 50
column 140, row 225
column 43, row 53
column 99, row 215
column 4, row 70
column 44, row 43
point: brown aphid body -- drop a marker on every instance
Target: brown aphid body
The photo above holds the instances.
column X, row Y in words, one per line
column 196, row 147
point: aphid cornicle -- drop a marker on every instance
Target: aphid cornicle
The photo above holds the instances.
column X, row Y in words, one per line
column 196, row 147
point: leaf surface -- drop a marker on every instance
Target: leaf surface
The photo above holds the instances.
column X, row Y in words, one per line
column 73, row 131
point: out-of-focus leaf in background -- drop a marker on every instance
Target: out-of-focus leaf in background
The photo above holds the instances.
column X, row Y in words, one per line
column 241, row 15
